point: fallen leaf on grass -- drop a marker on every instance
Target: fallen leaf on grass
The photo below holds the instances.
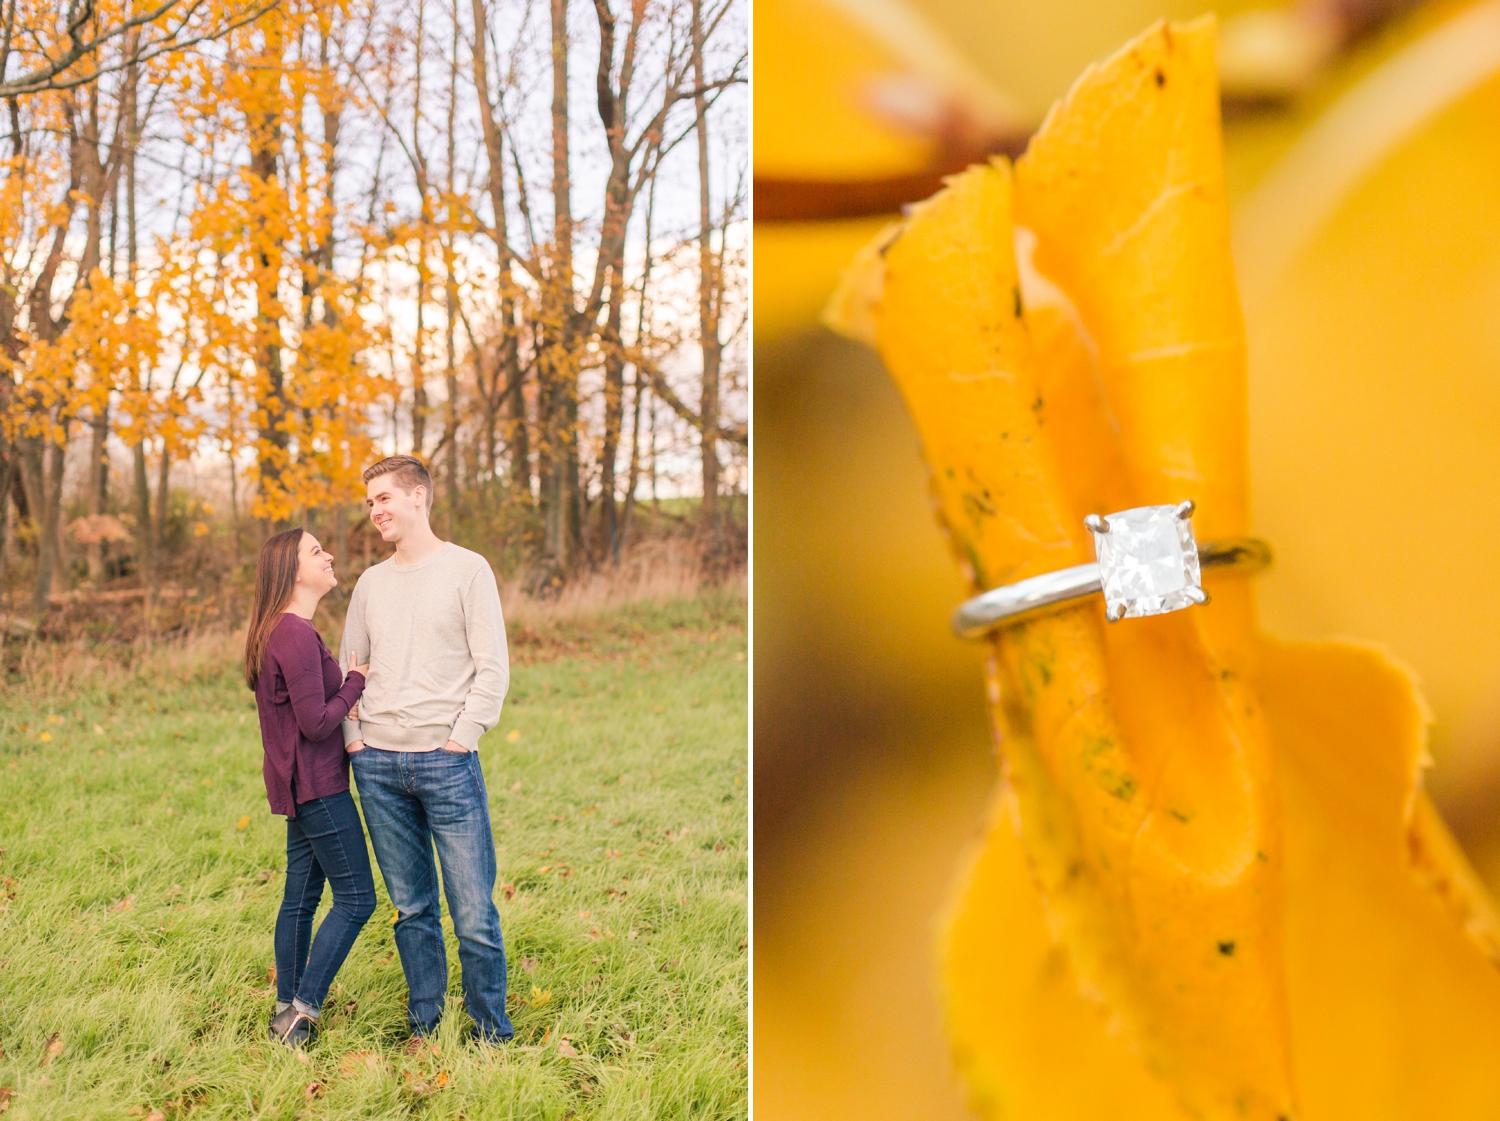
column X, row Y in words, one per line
column 243, row 822
column 422, row 1089
column 356, row 1061
column 313, row 1091
column 45, row 737
column 6, row 1093
column 509, row 890
column 528, row 965
column 98, row 729
column 415, row 1046
column 54, row 1048
column 567, row 1050
column 156, row 1115
column 123, row 904
column 513, row 736
column 515, row 786
column 539, row 997
column 612, row 854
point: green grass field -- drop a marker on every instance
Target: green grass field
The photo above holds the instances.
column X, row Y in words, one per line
column 141, row 871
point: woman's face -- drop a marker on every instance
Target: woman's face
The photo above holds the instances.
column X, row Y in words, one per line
column 314, row 566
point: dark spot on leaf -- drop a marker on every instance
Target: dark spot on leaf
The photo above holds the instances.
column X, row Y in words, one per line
column 1227, row 949
column 1016, row 293
column 1123, row 788
column 1161, row 79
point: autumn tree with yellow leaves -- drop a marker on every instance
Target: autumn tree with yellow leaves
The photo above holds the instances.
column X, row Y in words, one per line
column 271, row 242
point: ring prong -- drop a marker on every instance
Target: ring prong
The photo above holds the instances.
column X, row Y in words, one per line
column 1197, row 595
column 1185, row 509
column 1096, row 524
column 1115, row 612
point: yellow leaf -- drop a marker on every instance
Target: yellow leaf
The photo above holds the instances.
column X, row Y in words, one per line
column 45, row 737
column 1198, row 823
column 243, row 823
column 539, row 997
column 513, row 736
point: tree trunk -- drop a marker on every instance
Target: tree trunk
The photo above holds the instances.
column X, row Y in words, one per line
column 558, row 455
column 98, row 487
column 614, row 404
column 163, row 501
column 274, row 439
column 419, row 166
column 557, row 462
column 265, row 134
column 49, row 574
column 517, row 436
column 9, row 466
column 454, row 457
column 147, row 558
column 637, row 384
column 33, row 486
column 708, row 286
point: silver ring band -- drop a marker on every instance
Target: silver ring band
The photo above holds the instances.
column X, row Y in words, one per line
column 1039, row 594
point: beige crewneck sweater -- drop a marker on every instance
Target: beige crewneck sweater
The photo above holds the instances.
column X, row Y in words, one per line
column 434, row 636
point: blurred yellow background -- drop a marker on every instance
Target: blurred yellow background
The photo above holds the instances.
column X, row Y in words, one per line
column 1372, row 294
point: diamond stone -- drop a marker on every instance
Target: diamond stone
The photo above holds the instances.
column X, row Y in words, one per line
column 1148, row 561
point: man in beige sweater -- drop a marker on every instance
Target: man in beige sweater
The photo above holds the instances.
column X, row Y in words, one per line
column 428, row 622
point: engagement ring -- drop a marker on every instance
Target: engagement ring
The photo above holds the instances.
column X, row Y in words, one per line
column 1148, row 564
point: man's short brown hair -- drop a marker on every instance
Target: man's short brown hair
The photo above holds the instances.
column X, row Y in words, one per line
column 409, row 471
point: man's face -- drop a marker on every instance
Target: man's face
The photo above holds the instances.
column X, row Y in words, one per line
column 394, row 511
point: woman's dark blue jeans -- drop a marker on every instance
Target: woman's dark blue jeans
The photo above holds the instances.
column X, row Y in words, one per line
column 325, row 841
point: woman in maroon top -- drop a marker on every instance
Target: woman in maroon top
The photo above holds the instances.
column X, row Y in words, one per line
column 303, row 698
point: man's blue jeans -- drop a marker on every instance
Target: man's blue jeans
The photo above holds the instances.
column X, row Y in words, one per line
column 411, row 800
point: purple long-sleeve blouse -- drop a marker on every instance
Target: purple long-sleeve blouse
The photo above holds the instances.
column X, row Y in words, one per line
column 303, row 698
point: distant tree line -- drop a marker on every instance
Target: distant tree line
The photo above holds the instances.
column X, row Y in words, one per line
column 291, row 237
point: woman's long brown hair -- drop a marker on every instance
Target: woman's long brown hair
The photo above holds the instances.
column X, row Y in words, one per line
column 275, row 579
